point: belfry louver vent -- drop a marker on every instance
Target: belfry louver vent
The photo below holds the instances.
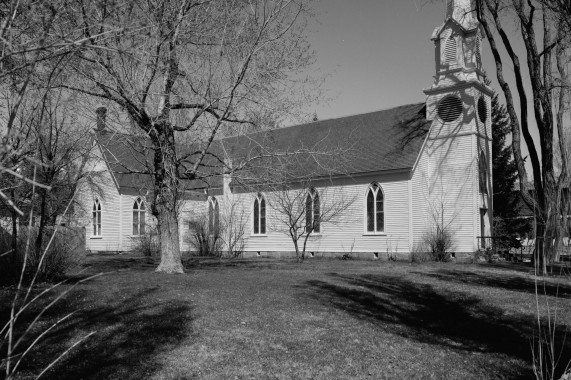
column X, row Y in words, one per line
column 482, row 110
column 450, row 50
column 449, row 108
column 478, row 54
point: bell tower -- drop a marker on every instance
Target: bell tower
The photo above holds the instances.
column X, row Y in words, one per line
column 459, row 142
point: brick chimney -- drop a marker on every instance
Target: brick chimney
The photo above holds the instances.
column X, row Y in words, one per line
column 101, row 113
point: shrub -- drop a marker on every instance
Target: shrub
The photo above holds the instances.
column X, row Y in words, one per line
column 233, row 228
column 204, row 241
column 439, row 242
column 420, row 254
column 148, row 245
column 65, row 252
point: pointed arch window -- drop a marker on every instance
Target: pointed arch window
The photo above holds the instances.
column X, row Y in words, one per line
column 259, row 215
column 312, row 212
column 375, row 209
column 138, row 217
column 213, row 216
column 483, row 173
column 96, row 218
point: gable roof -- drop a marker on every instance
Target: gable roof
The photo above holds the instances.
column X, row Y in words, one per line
column 129, row 159
column 387, row 140
column 378, row 141
column 450, row 20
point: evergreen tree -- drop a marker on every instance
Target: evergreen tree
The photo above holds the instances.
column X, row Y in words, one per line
column 506, row 197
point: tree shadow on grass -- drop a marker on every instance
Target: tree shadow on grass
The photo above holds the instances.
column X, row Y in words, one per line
column 452, row 320
column 213, row 263
column 130, row 333
column 502, row 281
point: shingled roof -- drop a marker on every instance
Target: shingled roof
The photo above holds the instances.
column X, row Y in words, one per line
column 386, row 140
column 129, row 159
column 372, row 142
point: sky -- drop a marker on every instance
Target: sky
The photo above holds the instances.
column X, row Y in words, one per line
column 376, row 54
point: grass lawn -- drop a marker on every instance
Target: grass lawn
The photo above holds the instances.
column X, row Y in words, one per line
column 323, row 319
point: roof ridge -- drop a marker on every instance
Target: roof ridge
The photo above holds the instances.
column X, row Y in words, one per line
column 360, row 113
column 324, row 120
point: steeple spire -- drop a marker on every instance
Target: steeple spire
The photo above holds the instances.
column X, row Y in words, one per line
column 463, row 12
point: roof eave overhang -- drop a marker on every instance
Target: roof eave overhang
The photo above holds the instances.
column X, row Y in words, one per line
column 460, row 86
column 111, row 172
column 329, row 179
column 438, row 31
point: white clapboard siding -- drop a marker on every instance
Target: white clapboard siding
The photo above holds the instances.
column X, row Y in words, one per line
column 349, row 233
column 109, row 240
column 420, row 200
column 190, row 210
column 453, row 149
column 128, row 240
column 453, row 175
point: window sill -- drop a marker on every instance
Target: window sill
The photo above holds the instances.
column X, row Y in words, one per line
column 95, row 237
column 375, row 234
column 258, row 235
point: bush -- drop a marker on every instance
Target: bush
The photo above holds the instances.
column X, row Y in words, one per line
column 65, row 253
column 148, row 245
column 420, row 254
column 439, row 243
column 233, row 228
column 204, row 241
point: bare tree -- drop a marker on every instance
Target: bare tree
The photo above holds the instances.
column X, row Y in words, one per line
column 196, row 67
column 439, row 237
column 35, row 39
column 233, row 219
column 546, row 43
column 302, row 210
column 62, row 152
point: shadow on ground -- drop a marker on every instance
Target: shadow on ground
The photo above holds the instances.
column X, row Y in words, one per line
column 501, row 281
column 249, row 263
column 452, row 320
column 130, row 333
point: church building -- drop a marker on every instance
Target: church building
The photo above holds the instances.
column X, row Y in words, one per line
column 408, row 171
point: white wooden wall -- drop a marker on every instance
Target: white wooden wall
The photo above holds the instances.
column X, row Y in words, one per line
column 453, row 150
column 349, row 234
column 110, row 238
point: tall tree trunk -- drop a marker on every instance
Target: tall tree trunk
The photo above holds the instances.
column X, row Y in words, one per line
column 39, row 238
column 297, row 253
column 539, row 261
column 14, row 216
column 165, row 200
column 14, row 233
column 171, row 258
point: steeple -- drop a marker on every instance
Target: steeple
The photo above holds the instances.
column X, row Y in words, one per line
column 458, row 146
column 463, row 12
column 458, row 43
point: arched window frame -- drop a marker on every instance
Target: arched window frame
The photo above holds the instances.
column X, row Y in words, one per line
column 482, row 173
column 375, row 221
column 213, row 216
column 259, row 215
column 96, row 218
column 312, row 212
column 139, row 215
